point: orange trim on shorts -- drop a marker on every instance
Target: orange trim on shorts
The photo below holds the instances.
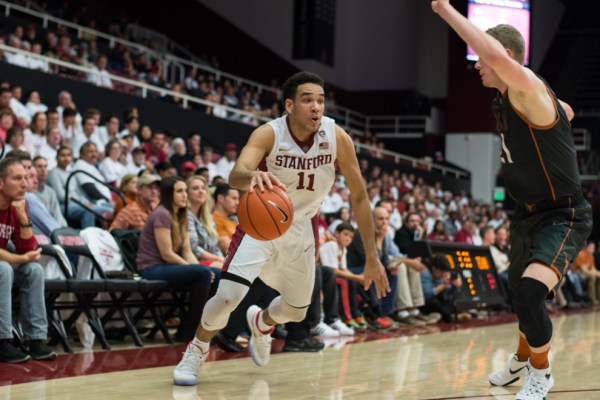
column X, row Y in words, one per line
column 565, row 238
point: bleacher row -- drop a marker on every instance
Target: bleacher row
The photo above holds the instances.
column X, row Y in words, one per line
column 117, row 297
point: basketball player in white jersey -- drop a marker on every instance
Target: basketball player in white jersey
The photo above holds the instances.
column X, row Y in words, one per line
column 300, row 150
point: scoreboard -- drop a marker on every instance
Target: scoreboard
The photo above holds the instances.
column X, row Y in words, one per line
column 480, row 284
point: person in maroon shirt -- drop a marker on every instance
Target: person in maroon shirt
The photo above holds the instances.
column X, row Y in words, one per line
column 20, row 266
column 155, row 149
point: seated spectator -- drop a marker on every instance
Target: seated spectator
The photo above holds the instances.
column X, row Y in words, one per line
column 155, row 149
column 22, row 268
column 7, row 121
column 165, row 170
column 501, row 261
column 88, row 134
column 14, row 139
column 41, row 218
column 227, row 200
column 165, row 253
column 466, row 233
column 135, row 214
column 129, row 188
column 439, row 286
column 179, row 154
column 88, row 191
column 49, row 149
column 111, row 167
column 370, row 305
column 110, row 130
column 99, row 76
column 226, row 163
column 188, row 169
column 583, row 272
column 333, row 254
column 138, row 161
column 35, row 134
column 34, row 103
column 203, row 231
column 439, row 232
column 46, row 193
column 207, row 162
column 411, row 230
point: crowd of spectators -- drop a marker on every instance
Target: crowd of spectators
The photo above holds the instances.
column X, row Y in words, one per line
column 136, row 158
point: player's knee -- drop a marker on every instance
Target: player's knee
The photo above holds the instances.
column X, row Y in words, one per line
column 230, row 294
column 296, row 314
column 529, row 303
column 283, row 312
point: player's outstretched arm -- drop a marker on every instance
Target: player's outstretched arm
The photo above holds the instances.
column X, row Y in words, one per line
column 517, row 77
column 244, row 175
column 346, row 158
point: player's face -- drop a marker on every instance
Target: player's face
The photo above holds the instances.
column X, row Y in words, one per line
column 308, row 106
column 489, row 78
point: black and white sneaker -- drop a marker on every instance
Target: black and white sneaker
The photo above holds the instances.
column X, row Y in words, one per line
column 9, row 353
column 39, row 351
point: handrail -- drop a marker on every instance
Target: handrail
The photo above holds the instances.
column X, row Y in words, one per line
column 415, row 162
column 351, row 120
column 112, row 189
column 112, row 40
column 145, row 87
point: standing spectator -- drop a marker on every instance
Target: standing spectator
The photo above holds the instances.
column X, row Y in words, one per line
column 226, row 163
column 22, row 268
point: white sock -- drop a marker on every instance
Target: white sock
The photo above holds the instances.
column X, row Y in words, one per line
column 403, row 314
column 203, row 346
column 414, row 313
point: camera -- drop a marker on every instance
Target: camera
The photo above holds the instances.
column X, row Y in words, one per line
column 453, row 276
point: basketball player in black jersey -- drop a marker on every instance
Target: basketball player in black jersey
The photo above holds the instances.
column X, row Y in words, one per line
column 552, row 220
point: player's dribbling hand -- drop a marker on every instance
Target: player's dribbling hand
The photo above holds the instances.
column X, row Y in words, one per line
column 375, row 272
column 263, row 179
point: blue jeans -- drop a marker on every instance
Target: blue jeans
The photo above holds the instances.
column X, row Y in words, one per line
column 85, row 217
column 30, row 279
column 195, row 278
column 182, row 276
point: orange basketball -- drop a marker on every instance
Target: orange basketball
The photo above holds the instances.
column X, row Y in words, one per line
column 265, row 215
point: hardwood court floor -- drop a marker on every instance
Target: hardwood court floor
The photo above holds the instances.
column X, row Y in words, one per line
column 446, row 362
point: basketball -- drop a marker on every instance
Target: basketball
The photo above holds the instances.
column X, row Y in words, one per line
column 265, row 215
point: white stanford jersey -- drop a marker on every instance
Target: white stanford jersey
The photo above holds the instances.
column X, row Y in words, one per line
column 307, row 171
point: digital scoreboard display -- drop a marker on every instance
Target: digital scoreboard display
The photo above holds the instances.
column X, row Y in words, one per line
column 480, row 283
